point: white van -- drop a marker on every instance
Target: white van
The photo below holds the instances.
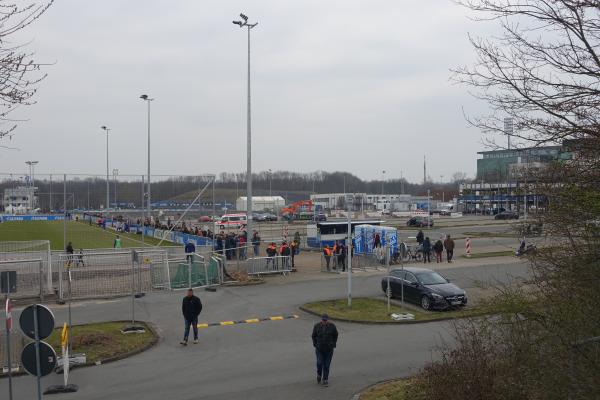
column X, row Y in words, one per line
column 232, row 221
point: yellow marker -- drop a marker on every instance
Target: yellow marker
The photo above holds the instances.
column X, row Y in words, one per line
column 252, row 321
column 202, row 326
column 276, row 318
column 227, row 323
column 64, row 337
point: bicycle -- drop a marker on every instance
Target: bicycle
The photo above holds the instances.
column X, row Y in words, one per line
column 410, row 254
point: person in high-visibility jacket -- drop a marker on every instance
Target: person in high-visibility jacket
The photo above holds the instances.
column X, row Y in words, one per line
column 271, row 253
column 327, row 254
column 284, row 252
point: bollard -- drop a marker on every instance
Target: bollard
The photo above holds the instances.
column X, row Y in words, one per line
column 468, row 247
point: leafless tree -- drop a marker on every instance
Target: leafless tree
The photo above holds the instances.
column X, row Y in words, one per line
column 543, row 69
column 20, row 73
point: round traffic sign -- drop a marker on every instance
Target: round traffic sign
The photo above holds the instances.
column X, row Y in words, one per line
column 45, row 321
column 47, row 358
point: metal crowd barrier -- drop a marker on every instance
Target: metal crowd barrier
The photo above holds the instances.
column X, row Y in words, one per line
column 30, row 279
column 269, row 265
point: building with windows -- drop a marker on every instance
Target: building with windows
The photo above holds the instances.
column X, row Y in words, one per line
column 506, row 179
column 20, row 200
column 360, row 201
column 261, row 203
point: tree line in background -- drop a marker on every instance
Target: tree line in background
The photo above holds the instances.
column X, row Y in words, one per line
column 90, row 192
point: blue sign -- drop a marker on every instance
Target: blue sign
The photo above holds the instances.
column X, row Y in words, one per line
column 32, row 217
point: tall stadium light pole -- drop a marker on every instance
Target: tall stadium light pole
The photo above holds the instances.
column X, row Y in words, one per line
column 241, row 24
column 32, row 165
column 107, row 179
column 148, row 196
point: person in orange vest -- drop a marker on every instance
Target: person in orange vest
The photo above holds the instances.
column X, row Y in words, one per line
column 327, row 254
column 284, row 252
column 271, row 253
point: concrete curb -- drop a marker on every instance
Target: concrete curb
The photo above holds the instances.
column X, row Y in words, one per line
column 359, row 394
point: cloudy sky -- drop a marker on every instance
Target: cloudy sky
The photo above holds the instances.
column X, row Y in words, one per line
column 358, row 86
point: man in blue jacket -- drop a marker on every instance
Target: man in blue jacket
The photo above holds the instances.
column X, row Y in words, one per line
column 190, row 249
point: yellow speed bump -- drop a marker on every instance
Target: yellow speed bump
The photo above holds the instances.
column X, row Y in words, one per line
column 223, row 323
column 252, row 321
column 202, row 326
column 276, row 318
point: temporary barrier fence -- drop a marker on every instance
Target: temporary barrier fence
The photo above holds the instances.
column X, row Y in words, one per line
column 30, row 276
column 17, row 342
column 269, row 265
column 29, row 250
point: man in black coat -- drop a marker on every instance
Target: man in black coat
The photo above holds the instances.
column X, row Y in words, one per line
column 191, row 306
column 324, row 337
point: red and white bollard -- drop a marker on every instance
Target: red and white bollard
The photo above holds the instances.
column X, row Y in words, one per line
column 468, row 247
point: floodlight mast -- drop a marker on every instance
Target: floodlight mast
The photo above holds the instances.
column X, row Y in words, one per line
column 242, row 24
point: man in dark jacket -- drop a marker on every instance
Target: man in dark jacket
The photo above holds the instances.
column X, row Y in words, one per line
column 427, row 250
column 420, row 237
column 449, row 246
column 324, row 338
column 190, row 249
column 191, row 306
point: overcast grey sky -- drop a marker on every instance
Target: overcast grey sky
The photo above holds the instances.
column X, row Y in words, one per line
column 358, row 86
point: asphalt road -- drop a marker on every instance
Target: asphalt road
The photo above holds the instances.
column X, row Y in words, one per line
column 269, row 360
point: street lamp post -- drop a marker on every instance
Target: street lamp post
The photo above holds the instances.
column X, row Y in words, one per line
column 148, row 196
column 270, row 181
column 107, row 179
column 115, row 174
column 244, row 23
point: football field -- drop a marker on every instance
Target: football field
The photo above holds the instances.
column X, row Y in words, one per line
column 82, row 235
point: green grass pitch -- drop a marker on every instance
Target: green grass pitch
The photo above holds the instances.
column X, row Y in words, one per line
column 82, row 235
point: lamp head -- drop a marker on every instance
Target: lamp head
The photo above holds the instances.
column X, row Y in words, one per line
column 144, row 97
column 104, row 127
column 245, row 18
column 238, row 23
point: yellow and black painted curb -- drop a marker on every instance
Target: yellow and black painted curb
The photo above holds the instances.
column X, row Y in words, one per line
column 248, row 321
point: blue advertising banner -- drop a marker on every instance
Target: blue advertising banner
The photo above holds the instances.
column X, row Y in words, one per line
column 32, row 217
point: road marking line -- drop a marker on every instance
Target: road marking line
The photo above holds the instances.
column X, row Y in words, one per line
column 247, row 321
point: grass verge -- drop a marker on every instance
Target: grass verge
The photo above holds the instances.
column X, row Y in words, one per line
column 366, row 309
column 391, row 390
column 503, row 253
column 104, row 341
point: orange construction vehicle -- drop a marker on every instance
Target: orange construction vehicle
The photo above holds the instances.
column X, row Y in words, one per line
column 302, row 209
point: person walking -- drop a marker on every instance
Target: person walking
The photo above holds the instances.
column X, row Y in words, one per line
column 342, row 256
column 190, row 249
column 377, row 241
column 80, row 259
column 327, row 254
column 117, row 242
column 438, row 248
column 256, row 243
column 191, row 307
column 420, row 237
column 324, row 338
column 69, row 251
column 427, row 250
column 271, row 253
column 284, row 252
column 449, row 246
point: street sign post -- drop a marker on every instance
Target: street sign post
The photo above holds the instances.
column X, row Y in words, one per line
column 9, row 323
column 38, row 358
